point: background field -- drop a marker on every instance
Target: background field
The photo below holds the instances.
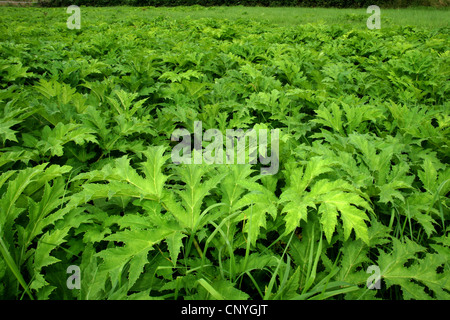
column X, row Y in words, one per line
column 354, row 18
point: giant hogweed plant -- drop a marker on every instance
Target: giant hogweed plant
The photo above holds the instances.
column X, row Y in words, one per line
column 87, row 177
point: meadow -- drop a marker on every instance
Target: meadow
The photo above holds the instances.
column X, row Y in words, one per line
column 93, row 205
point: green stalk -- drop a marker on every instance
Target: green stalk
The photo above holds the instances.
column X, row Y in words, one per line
column 255, row 284
column 247, row 248
column 230, row 250
column 312, row 272
column 213, row 292
column 197, row 246
column 13, row 267
column 216, row 230
column 272, row 280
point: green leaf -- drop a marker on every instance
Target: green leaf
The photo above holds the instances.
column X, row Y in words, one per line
column 222, row 290
column 198, row 185
column 48, row 242
column 174, row 243
column 403, row 267
column 138, row 243
column 296, row 198
column 352, row 217
column 6, row 133
column 125, row 181
column 53, row 140
column 258, row 202
column 330, row 116
column 15, row 189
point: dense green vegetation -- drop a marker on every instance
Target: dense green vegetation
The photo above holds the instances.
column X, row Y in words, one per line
column 86, row 176
column 346, row 18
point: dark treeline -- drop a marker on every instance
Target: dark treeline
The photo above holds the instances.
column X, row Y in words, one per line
column 265, row 3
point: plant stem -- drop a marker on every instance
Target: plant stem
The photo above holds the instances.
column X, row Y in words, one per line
column 197, row 246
